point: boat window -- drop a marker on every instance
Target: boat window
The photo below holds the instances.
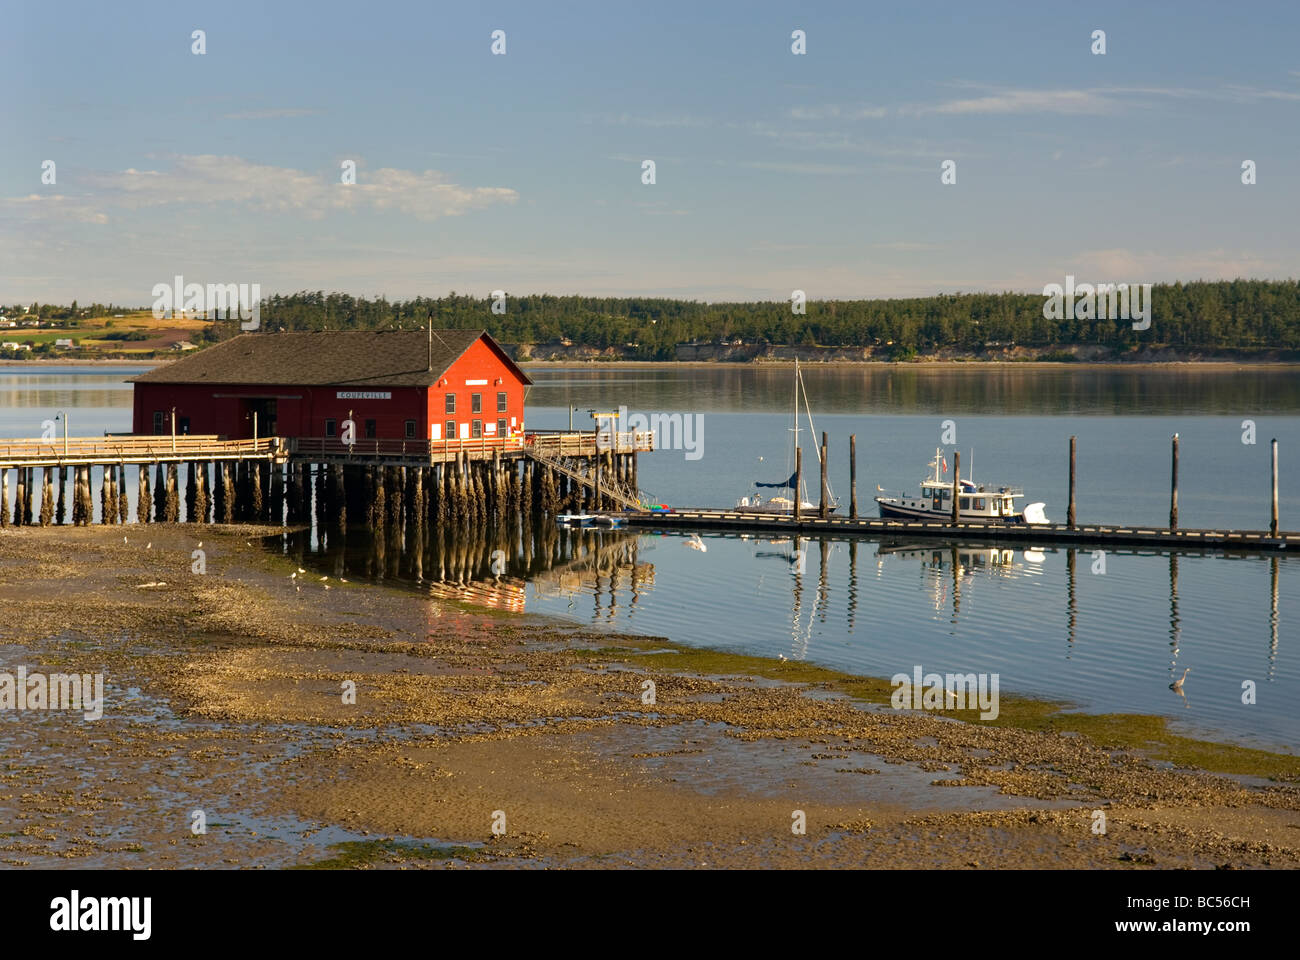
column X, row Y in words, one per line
column 979, row 504
column 947, row 494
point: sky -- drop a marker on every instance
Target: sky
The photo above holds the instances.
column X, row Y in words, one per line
column 523, row 171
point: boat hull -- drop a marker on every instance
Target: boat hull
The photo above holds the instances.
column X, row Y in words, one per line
column 893, row 511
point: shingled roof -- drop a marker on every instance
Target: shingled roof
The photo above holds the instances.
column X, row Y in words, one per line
column 392, row 358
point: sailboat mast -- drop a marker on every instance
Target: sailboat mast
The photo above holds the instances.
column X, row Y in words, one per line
column 795, row 414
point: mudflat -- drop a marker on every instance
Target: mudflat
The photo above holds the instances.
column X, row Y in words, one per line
column 259, row 716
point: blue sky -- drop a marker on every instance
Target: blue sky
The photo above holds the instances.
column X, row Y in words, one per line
column 523, row 172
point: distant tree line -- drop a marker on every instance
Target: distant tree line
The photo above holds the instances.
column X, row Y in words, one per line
column 1229, row 314
column 53, row 311
column 1206, row 315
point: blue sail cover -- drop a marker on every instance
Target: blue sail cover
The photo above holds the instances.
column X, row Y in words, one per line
column 788, row 483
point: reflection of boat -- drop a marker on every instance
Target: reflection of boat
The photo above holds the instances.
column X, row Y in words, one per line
column 785, row 504
column 589, row 520
column 968, row 557
column 979, row 503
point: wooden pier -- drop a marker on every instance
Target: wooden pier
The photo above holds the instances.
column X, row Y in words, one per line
column 1080, row 535
column 320, row 480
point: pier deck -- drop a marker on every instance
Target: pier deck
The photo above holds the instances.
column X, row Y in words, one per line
column 1084, row 534
column 115, row 451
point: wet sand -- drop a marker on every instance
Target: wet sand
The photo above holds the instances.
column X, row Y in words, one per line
column 225, row 695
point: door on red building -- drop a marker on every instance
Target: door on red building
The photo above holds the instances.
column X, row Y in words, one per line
column 264, row 408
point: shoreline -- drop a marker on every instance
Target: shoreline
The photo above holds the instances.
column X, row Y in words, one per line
column 461, row 714
column 1215, row 365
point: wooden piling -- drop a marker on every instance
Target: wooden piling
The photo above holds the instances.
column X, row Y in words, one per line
column 191, row 491
column 956, row 486
column 275, row 501
column 393, row 484
column 88, row 495
column 142, row 500
column 123, row 502
column 1074, row 450
column 4, row 497
column 61, row 516
column 1272, row 527
column 798, row 482
column 173, row 494
column 20, row 490
column 160, row 495
column 824, row 503
column 1173, row 486
column 103, row 496
column 853, row 476
column 340, row 495
column 47, row 497
column 256, row 502
column 201, row 498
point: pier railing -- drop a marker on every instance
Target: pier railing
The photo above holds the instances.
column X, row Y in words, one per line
column 306, row 447
column 548, row 443
column 150, row 448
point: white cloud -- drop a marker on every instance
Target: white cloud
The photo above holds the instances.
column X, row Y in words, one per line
column 38, row 207
column 1023, row 101
column 235, row 182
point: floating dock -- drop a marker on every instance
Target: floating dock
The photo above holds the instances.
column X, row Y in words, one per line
column 1098, row 535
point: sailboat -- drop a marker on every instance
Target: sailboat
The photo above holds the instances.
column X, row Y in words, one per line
column 785, row 504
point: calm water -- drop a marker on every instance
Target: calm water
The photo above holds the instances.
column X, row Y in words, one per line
column 1043, row 620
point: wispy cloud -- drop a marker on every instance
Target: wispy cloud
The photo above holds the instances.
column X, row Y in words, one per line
column 630, row 120
column 235, row 182
column 271, row 114
column 1090, row 100
column 809, row 168
column 836, row 112
column 40, row 207
column 1022, row 101
column 840, row 140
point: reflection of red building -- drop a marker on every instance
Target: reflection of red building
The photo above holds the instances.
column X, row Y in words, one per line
column 395, row 384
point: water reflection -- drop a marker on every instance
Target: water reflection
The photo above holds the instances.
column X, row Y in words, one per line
column 489, row 565
column 1112, row 640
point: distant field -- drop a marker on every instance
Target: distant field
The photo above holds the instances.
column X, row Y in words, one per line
column 90, row 335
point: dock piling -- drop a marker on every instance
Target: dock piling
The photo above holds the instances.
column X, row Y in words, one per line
column 798, row 481
column 1272, row 527
column 1074, row 449
column 956, row 486
column 823, row 504
column 1173, row 487
column 853, row 476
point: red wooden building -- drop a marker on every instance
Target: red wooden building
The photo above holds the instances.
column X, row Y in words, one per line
column 394, row 384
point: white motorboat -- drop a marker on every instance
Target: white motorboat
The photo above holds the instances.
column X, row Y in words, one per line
column 977, row 502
